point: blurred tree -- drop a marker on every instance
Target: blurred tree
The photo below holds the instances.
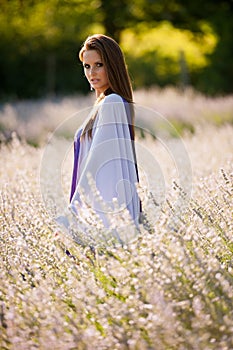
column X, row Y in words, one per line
column 218, row 75
column 39, row 40
column 189, row 14
column 38, row 43
column 117, row 15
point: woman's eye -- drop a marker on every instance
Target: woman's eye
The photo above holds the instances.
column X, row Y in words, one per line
column 86, row 66
column 99, row 64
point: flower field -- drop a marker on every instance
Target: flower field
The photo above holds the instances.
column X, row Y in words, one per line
column 169, row 288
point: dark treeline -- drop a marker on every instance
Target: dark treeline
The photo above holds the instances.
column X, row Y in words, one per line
column 39, row 41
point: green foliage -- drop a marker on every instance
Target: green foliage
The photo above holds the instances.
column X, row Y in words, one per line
column 163, row 54
column 39, row 41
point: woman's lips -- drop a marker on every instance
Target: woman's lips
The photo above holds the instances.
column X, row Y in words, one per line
column 94, row 81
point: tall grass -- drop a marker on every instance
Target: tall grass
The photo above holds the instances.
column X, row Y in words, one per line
column 33, row 120
column 169, row 288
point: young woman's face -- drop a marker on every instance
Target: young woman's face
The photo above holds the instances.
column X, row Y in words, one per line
column 95, row 71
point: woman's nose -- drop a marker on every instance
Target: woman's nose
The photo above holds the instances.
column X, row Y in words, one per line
column 92, row 70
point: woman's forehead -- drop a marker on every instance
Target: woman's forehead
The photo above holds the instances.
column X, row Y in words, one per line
column 91, row 56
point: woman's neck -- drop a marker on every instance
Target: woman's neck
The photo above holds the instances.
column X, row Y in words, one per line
column 101, row 96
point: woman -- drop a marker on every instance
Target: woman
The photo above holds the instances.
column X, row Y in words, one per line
column 105, row 169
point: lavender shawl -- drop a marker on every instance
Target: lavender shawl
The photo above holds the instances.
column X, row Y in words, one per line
column 109, row 160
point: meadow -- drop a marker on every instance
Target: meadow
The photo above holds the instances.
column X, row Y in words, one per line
column 168, row 288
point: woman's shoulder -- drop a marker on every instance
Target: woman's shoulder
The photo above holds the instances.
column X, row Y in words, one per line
column 113, row 98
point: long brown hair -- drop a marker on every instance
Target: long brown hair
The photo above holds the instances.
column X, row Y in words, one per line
column 116, row 70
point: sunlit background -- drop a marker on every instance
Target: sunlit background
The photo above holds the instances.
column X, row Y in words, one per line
column 175, row 42
column 170, row 288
